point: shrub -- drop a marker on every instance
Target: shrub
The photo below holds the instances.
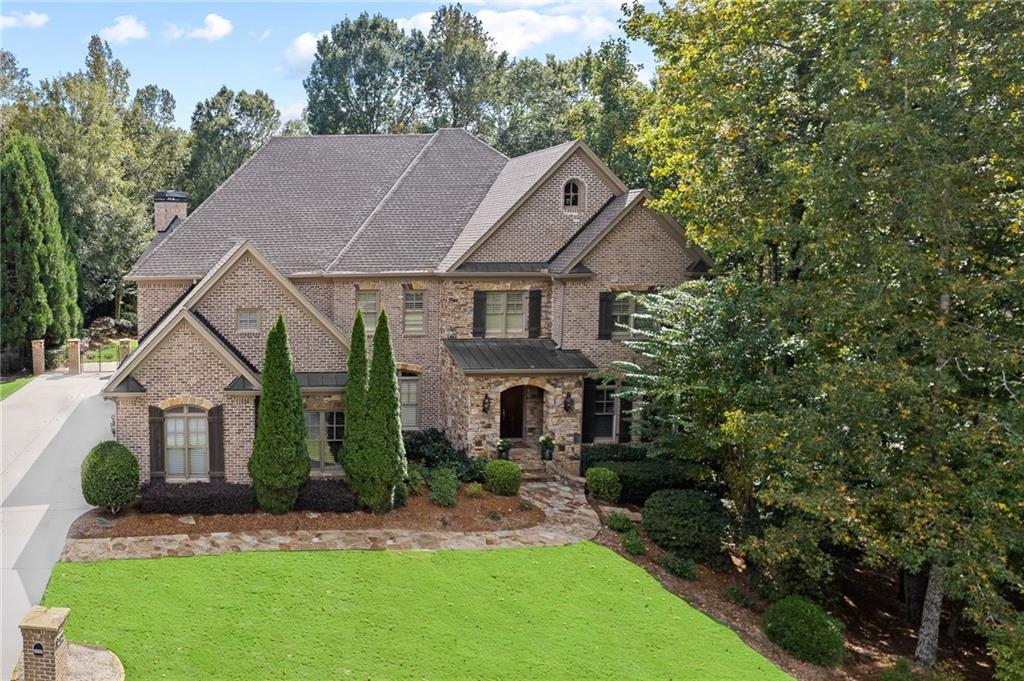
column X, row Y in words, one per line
column 603, row 483
column 444, row 486
column 475, row 490
column 591, row 454
column 110, row 476
column 503, row 477
column 431, row 446
column 901, row 671
column 279, row 463
column 742, row 598
column 806, row 630
column 325, row 494
column 678, row 565
column 633, row 544
column 202, row 498
column 618, row 521
column 472, row 469
column 415, row 478
column 641, row 479
column 687, row 521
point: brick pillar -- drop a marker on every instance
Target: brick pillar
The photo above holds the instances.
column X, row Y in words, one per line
column 38, row 357
column 74, row 358
column 44, row 652
column 124, row 346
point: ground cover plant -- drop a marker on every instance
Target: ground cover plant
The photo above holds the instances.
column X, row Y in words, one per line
column 8, row 388
column 394, row 615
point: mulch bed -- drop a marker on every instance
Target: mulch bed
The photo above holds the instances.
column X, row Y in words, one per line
column 489, row 512
column 876, row 634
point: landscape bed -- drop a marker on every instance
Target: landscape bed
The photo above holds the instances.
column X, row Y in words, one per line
column 566, row 612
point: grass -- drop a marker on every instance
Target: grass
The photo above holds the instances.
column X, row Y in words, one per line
column 8, row 388
column 571, row 612
column 107, row 353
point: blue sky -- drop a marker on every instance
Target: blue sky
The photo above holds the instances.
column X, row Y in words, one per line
column 193, row 48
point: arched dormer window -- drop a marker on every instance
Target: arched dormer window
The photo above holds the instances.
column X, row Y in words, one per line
column 571, row 194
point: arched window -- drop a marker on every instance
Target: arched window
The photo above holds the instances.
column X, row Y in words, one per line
column 571, row 194
column 186, row 443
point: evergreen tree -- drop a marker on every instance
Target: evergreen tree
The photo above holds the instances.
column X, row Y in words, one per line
column 355, row 394
column 279, row 463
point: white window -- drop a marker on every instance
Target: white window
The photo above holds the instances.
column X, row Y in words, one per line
column 248, row 321
column 624, row 314
column 571, row 194
column 414, row 312
column 604, row 412
column 409, row 393
column 186, row 445
column 366, row 302
column 324, row 433
column 505, row 313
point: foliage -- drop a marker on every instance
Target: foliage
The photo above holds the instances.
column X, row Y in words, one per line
column 633, row 543
column 689, row 522
column 503, row 477
column 203, row 498
column 678, row 565
column 325, row 494
column 279, row 463
column 641, row 479
column 474, row 490
column 547, row 442
column 431, row 446
column 592, row 453
column 618, row 522
column 357, row 434
column 742, row 598
column 903, row 670
column 603, row 483
column 444, row 486
column 110, row 476
column 415, row 478
column 806, row 630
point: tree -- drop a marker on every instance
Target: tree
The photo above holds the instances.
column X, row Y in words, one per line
column 159, row 150
column 855, row 163
column 15, row 89
column 355, row 397
column 379, row 464
column 362, row 79
column 279, row 463
column 530, row 112
column 226, row 130
column 38, row 283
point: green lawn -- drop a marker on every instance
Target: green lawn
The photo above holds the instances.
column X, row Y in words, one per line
column 10, row 387
column 573, row 612
column 107, row 353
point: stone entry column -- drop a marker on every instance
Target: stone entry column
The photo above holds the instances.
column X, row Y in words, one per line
column 124, row 346
column 38, row 357
column 74, row 358
column 44, row 652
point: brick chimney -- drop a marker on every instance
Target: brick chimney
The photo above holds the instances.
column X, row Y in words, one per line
column 168, row 205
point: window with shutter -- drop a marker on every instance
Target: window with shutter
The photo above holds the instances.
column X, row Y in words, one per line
column 186, row 444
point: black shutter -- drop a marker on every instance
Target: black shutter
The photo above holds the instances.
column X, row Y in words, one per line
column 604, row 314
column 533, row 314
column 156, row 444
column 625, row 420
column 589, row 395
column 479, row 313
column 215, row 430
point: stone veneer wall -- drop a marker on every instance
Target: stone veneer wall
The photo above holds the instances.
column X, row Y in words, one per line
column 154, row 297
column 457, row 302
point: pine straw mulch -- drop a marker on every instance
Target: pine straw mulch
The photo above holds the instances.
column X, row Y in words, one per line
column 490, row 512
column 876, row 634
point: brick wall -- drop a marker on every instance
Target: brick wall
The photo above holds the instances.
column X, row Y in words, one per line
column 154, row 299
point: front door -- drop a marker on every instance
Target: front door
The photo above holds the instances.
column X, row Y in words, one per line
column 512, row 412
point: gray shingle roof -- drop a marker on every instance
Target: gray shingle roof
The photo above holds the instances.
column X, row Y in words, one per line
column 594, row 229
column 511, row 355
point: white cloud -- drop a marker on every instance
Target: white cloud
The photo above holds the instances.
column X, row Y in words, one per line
column 292, row 112
column 419, row 21
column 298, row 56
column 23, row 20
column 260, row 36
column 125, row 28
column 173, row 31
column 520, row 29
column 214, row 28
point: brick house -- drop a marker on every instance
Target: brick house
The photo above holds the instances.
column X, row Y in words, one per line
column 500, row 277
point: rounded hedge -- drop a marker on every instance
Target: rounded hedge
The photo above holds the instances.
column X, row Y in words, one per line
column 687, row 521
column 503, row 477
column 804, row 629
column 444, row 486
column 110, row 476
column 603, row 483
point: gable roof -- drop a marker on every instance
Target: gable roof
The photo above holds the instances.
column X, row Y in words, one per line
column 595, row 229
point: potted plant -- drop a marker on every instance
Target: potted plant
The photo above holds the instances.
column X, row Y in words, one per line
column 503, row 446
column 547, row 447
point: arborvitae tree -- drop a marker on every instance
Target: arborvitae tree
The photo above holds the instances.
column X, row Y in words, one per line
column 355, row 394
column 279, row 463
column 380, row 463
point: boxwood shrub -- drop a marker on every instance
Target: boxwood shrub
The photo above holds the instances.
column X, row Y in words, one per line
column 202, row 498
column 687, row 521
column 503, row 477
column 619, row 522
column 804, row 629
column 110, row 476
column 678, row 565
column 444, row 486
column 641, row 479
column 603, row 483
column 325, row 494
column 591, row 454
column 632, row 543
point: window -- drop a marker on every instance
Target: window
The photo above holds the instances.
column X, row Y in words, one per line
column 624, row 314
column 186, row 445
column 571, row 194
column 366, row 302
column 504, row 313
column 604, row 412
column 414, row 312
column 409, row 394
column 248, row 321
column 324, row 432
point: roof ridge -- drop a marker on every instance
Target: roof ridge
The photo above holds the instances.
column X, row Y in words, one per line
column 586, row 224
column 380, row 204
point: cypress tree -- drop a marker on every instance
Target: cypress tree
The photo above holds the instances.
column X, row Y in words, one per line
column 355, row 394
column 279, row 463
column 386, row 448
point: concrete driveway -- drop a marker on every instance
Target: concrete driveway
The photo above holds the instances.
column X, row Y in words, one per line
column 47, row 427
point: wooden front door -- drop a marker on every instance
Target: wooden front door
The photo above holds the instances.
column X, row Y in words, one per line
column 512, row 406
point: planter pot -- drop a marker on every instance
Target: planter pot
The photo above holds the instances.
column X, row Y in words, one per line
column 547, row 454
column 503, row 455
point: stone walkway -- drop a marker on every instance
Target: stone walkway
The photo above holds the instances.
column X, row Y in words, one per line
column 568, row 519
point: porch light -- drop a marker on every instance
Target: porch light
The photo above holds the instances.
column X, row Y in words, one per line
column 568, row 403
column 487, row 403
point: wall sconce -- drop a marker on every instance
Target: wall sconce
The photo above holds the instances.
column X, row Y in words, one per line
column 487, row 403
column 568, row 403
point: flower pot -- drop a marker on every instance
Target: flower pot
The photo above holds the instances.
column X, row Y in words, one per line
column 547, row 454
column 502, row 454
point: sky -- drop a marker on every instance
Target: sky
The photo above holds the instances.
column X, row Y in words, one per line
column 193, row 48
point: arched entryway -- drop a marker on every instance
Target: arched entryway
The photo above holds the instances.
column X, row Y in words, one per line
column 522, row 413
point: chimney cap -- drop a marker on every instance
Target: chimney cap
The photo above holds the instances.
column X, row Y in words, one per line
column 170, row 195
